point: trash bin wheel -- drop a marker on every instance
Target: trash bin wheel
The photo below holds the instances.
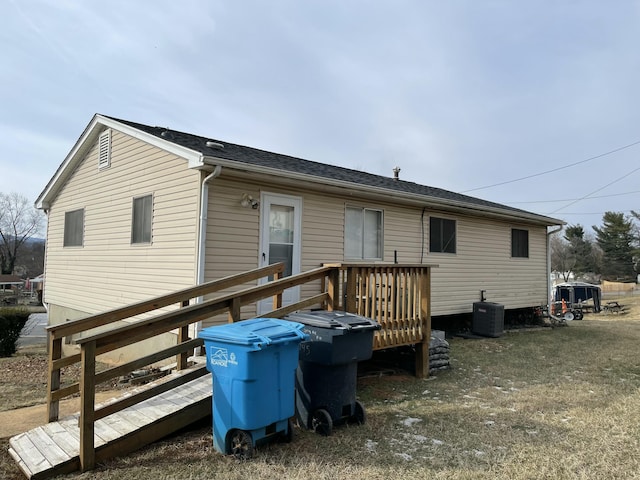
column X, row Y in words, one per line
column 321, row 422
column 241, row 444
column 359, row 415
column 287, row 436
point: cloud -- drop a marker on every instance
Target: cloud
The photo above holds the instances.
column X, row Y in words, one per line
column 458, row 94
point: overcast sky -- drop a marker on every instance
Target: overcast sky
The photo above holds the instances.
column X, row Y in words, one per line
column 460, row 94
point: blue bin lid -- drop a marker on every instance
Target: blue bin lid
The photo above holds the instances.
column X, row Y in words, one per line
column 258, row 332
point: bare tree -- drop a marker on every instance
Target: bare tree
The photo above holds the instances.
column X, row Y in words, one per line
column 562, row 261
column 19, row 221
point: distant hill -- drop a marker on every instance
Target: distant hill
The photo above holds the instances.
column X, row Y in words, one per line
column 34, row 241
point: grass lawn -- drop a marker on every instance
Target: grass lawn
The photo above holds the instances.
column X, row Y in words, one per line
column 556, row 403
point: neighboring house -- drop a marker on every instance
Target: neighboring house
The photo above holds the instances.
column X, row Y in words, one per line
column 127, row 221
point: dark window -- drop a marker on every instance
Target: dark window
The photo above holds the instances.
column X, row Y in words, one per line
column 141, row 224
column 442, row 235
column 519, row 243
column 73, row 228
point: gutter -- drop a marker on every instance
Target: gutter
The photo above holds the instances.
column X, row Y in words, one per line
column 417, row 199
column 202, row 235
column 549, row 233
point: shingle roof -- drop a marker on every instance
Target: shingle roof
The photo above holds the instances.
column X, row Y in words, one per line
column 286, row 163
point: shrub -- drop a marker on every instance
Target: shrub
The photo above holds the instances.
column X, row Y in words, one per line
column 12, row 322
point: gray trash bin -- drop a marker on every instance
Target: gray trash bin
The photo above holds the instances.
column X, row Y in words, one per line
column 328, row 366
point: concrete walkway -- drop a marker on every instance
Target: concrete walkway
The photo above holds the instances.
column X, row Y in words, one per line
column 34, row 332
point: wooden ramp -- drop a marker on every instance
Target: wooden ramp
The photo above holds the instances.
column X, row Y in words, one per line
column 53, row 449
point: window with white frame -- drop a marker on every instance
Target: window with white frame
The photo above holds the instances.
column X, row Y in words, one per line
column 363, row 233
column 104, row 149
column 442, row 235
column 142, row 219
column 73, row 228
column 519, row 243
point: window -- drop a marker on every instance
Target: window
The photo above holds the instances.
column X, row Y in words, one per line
column 442, row 235
column 141, row 223
column 104, row 149
column 73, row 228
column 363, row 234
column 519, row 243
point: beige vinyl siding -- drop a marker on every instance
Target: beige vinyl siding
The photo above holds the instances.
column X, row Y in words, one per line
column 108, row 271
column 482, row 262
column 232, row 236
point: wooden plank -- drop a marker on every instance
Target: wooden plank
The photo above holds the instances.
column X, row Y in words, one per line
column 33, row 458
column 281, row 312
column 234, row 310
column 128, row 420
column 64, row 392
column 147, row 360
column 125, row 430
column 66, row 441
column 53, row 381
column 141, row 330
column 21, row 464
column 81, row 325
column 155, row 431
column 125, row 402
column 70, row 424
column 87, row 404
column 104, row 433
column 48, row 447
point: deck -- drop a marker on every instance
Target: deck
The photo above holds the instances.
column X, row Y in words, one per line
column 54, row 448
column 395, row 295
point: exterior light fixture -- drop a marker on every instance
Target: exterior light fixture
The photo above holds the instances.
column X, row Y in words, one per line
column 248, row 201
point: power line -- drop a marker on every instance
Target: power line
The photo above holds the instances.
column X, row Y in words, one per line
column 591, row 213
column 597, row 190
column 555, row 169
column 571, row 199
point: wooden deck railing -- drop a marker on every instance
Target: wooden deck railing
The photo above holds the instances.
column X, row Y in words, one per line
column 398, row 297
column 395, row 295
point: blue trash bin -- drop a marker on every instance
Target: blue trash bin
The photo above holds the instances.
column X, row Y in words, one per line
column 253, row 363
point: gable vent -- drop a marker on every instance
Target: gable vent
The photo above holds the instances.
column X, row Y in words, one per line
column 104, row 149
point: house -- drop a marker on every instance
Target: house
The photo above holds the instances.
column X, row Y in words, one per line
column 135, row 211
column 9, row 285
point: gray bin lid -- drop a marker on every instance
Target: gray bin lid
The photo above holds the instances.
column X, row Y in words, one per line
column 334, row 320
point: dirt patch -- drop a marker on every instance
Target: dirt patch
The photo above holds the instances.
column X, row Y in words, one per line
column 13, row 422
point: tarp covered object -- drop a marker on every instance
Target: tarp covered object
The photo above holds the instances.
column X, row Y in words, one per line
column 576, row 292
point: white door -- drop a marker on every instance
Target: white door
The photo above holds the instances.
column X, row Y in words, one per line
column 280, row 238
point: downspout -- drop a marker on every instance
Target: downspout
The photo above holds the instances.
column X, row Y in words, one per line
column 549, row 263
column 202, row 235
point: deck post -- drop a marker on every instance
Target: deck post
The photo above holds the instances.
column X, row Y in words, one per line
column 234, row 310
column 422, row 349
column 350, row 304
column 277, row 298
column 183, row 336
column 53, row 381
column 87, row 406
column 333, row 289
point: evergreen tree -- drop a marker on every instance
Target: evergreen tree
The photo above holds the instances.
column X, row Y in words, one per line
column 580, row 250
column 618, row 244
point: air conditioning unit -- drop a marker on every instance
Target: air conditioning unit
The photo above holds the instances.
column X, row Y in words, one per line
column 488, row 319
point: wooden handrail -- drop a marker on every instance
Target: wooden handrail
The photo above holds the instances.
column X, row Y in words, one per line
column 84, row 324
column 396, row 295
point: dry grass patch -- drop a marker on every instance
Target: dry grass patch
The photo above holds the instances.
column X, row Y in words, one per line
column 553, row 403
